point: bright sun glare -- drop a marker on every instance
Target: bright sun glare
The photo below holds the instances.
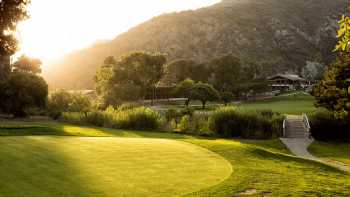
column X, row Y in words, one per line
column 57, row 27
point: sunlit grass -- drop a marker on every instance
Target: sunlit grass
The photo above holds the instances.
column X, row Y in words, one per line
column 332, row 151
column 294, row 105
column 126, row 162
column 61, row 166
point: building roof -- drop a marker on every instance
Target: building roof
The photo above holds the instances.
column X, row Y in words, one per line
column 287, row 76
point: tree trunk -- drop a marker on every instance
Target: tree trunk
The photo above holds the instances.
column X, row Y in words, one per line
column 153, row 95
column 187, row 102
column 203, row 104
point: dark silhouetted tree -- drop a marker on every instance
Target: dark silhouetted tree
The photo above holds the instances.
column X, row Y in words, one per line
column 227, row 97
column 204, row 92
column 226, row 70
column 11, row 12
column 183, row 90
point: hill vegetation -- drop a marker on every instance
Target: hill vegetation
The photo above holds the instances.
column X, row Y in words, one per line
column 280, row 35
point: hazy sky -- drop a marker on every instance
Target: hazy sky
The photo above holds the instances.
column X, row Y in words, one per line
column 60, row 26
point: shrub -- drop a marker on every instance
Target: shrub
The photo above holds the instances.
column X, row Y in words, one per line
column 72, row 117
column 196, row 125
column 185, row 124
column 172, row 114
column 228, row 122
column 325, row 127
column 63, row 101
column 187, row 111
column 128, row 106
column 97, row 118
column 140, row 118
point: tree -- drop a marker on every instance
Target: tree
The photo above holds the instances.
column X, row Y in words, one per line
column 139, row 69
column 27, row 64
column 343, row 35
column 104, row 76
column 226, row 70
column 313, row 71
column 63, row 101
column 59, row 102
column 333, row 92
column 180, row 70
column 24, row 91
column 204, row 92
column 184, row 89
column 11, row 12
column 227, row 97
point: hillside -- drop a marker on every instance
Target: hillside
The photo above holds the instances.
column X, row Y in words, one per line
column 283, row 34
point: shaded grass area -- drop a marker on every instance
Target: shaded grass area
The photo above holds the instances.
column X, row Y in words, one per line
column 86, row 166
column 332, row 151
column 285, row 104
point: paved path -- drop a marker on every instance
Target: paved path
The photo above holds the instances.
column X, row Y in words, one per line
column 299, row 147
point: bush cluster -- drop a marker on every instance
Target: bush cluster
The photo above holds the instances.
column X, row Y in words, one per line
column 326, row 127
column 124, row 117
column 228, row 122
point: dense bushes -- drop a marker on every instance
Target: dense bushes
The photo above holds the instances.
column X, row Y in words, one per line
column 325, row 127
column 63, row 101
column 227, row 122
column 125, row 117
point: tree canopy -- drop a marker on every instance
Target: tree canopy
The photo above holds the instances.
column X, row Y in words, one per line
column 130, row 77
column 204, row 92
column 183, row 90
column 11, row 12
column 333, row 92
column 27, row 64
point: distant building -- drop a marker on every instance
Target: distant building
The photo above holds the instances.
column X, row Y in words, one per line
column 287, row 82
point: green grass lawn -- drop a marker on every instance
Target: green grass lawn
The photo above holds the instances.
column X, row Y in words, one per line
column 66, row 166
column 131, row 163
column 332, row 151
column 293, row 105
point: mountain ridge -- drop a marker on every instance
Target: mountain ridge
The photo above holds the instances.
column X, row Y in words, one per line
column 285, row 34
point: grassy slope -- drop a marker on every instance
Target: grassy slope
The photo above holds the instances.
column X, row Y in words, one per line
column 261, row 165
column 332, row 151
column 294, row 105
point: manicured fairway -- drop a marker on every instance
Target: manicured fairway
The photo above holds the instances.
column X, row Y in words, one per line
column 294, row 105
column 332, row 151
column 61, row 166
column 143, row 164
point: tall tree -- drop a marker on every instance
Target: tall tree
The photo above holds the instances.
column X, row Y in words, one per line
column 204, row 92
column 183, row 90
column 11, row 12
column 180, row 70
column 131, row 76
column 226, row 70
column 344, row 35
column 333, row 92
column 27, row 64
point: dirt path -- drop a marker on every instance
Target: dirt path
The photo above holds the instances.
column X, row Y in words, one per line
column 299, row 147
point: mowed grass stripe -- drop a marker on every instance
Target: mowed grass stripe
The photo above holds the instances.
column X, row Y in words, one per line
column 74, row 166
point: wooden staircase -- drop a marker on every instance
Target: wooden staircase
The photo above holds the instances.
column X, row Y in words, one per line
column 295, row 127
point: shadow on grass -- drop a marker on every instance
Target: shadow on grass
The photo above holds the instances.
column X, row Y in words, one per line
column 33, row 167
